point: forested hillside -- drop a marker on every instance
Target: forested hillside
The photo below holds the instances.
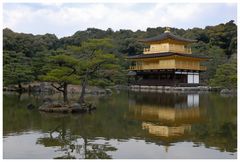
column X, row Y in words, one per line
column 26, row 56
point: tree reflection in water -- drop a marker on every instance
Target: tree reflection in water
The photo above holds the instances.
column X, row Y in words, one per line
column 73, row 146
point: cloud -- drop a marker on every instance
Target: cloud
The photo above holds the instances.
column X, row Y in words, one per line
column 64, row 19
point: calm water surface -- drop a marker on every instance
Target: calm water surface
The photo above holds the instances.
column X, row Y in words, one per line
column 125, row 125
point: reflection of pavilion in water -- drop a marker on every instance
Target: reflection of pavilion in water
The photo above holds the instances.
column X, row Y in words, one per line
column 166, row 115
column 166, row 131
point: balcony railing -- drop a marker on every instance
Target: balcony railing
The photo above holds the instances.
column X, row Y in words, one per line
column 165, row 49
column 185, row 50
column 158, row 67
column 146, row 50
column 137, row 67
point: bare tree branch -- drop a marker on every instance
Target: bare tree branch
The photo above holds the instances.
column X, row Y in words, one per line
column 97, row 66
column 58, row 88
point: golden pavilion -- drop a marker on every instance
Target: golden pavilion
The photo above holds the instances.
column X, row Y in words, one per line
column 167, row 62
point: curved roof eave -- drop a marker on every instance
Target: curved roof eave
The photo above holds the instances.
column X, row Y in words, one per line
column 165, row 36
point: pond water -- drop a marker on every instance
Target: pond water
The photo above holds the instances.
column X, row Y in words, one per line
column 126, row 125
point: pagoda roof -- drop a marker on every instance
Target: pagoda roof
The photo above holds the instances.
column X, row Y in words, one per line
column 165, row 54
column 167, row 35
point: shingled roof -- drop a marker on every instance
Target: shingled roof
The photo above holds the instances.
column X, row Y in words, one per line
column 167, row 35
column 164, row 55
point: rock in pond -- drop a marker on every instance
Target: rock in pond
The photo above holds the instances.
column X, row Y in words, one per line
column 108, row 91
column 30, row 106
column 225, row 91
column 46, row 99
column 67, row 108
column 76, row 107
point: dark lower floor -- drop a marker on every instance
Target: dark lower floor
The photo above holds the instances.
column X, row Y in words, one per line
column 165, row 78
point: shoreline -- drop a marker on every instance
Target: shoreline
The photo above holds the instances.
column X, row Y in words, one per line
column 73, row 89
column 172, row 89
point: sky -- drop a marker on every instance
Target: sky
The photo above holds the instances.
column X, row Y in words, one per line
column 64, row 19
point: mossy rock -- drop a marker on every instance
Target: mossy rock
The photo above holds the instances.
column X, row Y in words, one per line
column 67, row 108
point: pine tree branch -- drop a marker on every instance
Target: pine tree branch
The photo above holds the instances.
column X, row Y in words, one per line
column 58, row 88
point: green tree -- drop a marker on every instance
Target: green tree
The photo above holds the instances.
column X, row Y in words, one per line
column 217, row 57
column 28, row 44
column 226, row 76
column 131, row 46
column 16, row 69
column 224, row 36
column 94, row 62
column 38, row 64
column 62, row 72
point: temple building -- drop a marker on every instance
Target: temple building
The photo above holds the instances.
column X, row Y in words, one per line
column 167, row 62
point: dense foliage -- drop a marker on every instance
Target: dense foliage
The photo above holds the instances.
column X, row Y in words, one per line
column 25, row 54
column 226, row 76
column 61, row 72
